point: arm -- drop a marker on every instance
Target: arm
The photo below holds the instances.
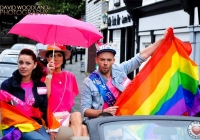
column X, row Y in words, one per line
column 88, row 95
column 48, row 85
column 135, row 62
column 86, row 101
column 50, row 69
column 148, row 51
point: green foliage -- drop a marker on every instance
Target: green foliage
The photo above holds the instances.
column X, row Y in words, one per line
column 73, row 8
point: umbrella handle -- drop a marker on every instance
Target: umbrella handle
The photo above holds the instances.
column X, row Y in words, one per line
column 53, row 50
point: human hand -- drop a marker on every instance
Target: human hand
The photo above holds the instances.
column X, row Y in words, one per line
column 50, row 66
column 166, row 31
column 111, row 110
column 52, row 135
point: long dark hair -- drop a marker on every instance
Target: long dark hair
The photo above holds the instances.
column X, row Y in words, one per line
column 63, row 54
column 38, row 72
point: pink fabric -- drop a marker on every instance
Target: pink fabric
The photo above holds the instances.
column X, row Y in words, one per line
column 19, row 104
column 62, row 29
column 113, row 90
column 62, row 95
column 29, row 98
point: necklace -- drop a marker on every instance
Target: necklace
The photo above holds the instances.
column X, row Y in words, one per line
column 59, row 81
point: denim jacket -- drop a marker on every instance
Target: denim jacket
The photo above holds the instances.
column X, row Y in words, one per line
column 90, row 96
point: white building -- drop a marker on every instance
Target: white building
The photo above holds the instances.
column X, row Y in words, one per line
column 94, row 16
column 134, row 24
column 152, row 17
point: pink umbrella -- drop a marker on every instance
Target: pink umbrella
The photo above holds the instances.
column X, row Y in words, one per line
column 62, row 29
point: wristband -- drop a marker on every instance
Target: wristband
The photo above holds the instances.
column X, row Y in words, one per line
column 49, row 76
column 102, row 111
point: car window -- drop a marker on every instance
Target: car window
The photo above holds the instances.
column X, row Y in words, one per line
column 28, row 46
column 41, row 46
column 7, row 70
column 146, row 130
column 10, row 58
column 16, row 47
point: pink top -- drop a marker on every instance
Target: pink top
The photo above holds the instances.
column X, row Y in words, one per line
column 29, row 98
column 64, row 89
column 113, row 90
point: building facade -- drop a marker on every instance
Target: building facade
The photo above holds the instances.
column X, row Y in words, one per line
column 152, row 17
column 93, row 15
column 132, row 25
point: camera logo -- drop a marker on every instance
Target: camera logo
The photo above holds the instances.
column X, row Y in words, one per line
column 194, row 130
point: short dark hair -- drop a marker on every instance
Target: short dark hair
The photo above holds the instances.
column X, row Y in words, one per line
column 38, row 72
column 63, row 54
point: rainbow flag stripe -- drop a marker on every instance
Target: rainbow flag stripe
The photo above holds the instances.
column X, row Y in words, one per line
column 166, row 85
column 13, row 117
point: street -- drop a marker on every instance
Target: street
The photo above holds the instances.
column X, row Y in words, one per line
column 75, row 68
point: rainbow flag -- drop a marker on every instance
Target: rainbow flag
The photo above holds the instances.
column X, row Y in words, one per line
column 166, row 85
column 10, row 116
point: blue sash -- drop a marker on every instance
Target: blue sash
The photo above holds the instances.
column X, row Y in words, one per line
column 103, row 89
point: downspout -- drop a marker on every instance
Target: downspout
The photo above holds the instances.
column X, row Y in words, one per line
column 137, row 38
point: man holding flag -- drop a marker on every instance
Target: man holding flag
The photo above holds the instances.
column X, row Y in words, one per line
column 102, row 88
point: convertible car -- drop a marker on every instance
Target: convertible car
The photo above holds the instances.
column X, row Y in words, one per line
column 142, row 128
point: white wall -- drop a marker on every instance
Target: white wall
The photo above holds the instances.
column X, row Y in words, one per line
column 93, row 14
column 163, row 21
column 116, row 41
column 147, row 2
column 182, row 34
column 196, row 19
column 173, row 19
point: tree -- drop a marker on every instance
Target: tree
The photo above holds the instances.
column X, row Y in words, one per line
column 73, row 8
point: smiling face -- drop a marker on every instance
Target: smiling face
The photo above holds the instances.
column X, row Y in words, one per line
column 105, row 60
column 26, row 65
column 58, row 59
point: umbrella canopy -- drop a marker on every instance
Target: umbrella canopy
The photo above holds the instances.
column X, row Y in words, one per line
column 62, row 29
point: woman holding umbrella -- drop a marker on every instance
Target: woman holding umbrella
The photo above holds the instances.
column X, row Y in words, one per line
column 62, row 88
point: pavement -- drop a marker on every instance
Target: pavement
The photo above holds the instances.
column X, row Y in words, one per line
column 75, row 68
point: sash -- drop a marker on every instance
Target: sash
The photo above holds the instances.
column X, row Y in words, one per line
column 103, row 89
column 19, row 104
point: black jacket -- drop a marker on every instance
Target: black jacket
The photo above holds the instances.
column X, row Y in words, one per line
column 12, row 85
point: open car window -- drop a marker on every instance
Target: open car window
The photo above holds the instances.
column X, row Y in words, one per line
column 146, row 130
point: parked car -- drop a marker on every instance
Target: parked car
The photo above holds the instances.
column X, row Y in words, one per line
column 20, row 46
column 143, row 128
column 6, row 70
column 41, row 46
column 9, row 55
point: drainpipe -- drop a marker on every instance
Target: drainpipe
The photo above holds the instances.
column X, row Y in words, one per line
column 137, row 38
column 153, row 38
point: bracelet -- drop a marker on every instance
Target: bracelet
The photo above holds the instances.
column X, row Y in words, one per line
column 49, row 76
column 102, row 111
